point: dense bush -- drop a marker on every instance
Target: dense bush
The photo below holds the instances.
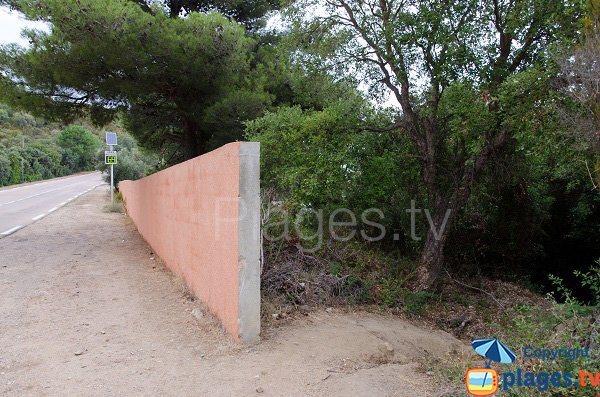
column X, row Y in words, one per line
column 325, row 160
column 79, row 149
column 531, row 213
column 5, row 170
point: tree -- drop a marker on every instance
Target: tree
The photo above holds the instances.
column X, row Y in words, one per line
column 80, row 147
column 111, row 57
column 456, row 70
column 580, row 74
column 248, row 13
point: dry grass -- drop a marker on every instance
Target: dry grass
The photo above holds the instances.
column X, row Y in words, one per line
column 116, row 207
column 468, row 313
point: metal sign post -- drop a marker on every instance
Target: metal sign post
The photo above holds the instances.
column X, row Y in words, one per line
column 110, row 157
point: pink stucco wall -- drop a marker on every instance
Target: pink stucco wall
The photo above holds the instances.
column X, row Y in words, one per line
column 189, row 214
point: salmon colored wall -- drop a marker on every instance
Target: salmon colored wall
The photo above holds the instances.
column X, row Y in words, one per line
column 188, row 214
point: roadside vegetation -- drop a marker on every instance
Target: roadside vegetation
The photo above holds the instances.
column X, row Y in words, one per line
column 32, row 149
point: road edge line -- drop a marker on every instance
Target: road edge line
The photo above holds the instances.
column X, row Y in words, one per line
column 11, row 231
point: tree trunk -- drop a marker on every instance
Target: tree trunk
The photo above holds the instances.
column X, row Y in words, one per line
column 432, row 256
column 190, row 141
column 430, row 263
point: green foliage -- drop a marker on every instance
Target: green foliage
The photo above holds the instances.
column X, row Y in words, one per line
column 591, row 280
column 479, row 82
column 468, row 119
column 164, row 74
column 227, row 116
column 562, row 322
column 16, row 162
column 307, row 151
column 325, row 160
column 32, row 149
column 5, row 170
column 415, row 302
column 533, row 211
column 79, row 149
column 565, row 323
column 392, row 291
column 54, row 157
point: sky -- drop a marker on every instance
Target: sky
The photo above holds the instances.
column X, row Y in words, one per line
column 11, row 24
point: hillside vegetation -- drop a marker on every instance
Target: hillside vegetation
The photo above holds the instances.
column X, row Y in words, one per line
column 33, row 149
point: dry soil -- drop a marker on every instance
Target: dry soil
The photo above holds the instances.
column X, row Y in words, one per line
column 87, row 310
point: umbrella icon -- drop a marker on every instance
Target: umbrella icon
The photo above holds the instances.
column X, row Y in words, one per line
column 493, row 350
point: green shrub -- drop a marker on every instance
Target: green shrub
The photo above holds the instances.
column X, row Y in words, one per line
column 5, row 170
column 567, row 323
column 80, row 147
column 391, row 292
column 591, row 280
column 415, row 302
column 319, row 160
column 15, row 167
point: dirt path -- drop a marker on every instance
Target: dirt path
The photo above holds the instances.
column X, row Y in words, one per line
column 86, row 310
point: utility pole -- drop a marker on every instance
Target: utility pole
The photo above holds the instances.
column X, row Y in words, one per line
column 112, row 180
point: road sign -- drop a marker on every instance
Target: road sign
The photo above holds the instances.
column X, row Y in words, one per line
column 110, row 157
column 111, row 138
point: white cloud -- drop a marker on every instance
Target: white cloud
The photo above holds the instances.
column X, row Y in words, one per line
column 11, row 25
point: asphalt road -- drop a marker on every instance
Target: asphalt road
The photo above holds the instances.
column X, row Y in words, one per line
column 23, row 205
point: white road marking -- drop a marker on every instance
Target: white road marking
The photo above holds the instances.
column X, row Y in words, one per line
column 37, row 195
column 32, row 196
column 11, row 231
column 37, row 218
column 13, row 188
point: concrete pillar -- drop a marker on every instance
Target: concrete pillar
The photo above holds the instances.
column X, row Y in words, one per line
column 249, row 243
